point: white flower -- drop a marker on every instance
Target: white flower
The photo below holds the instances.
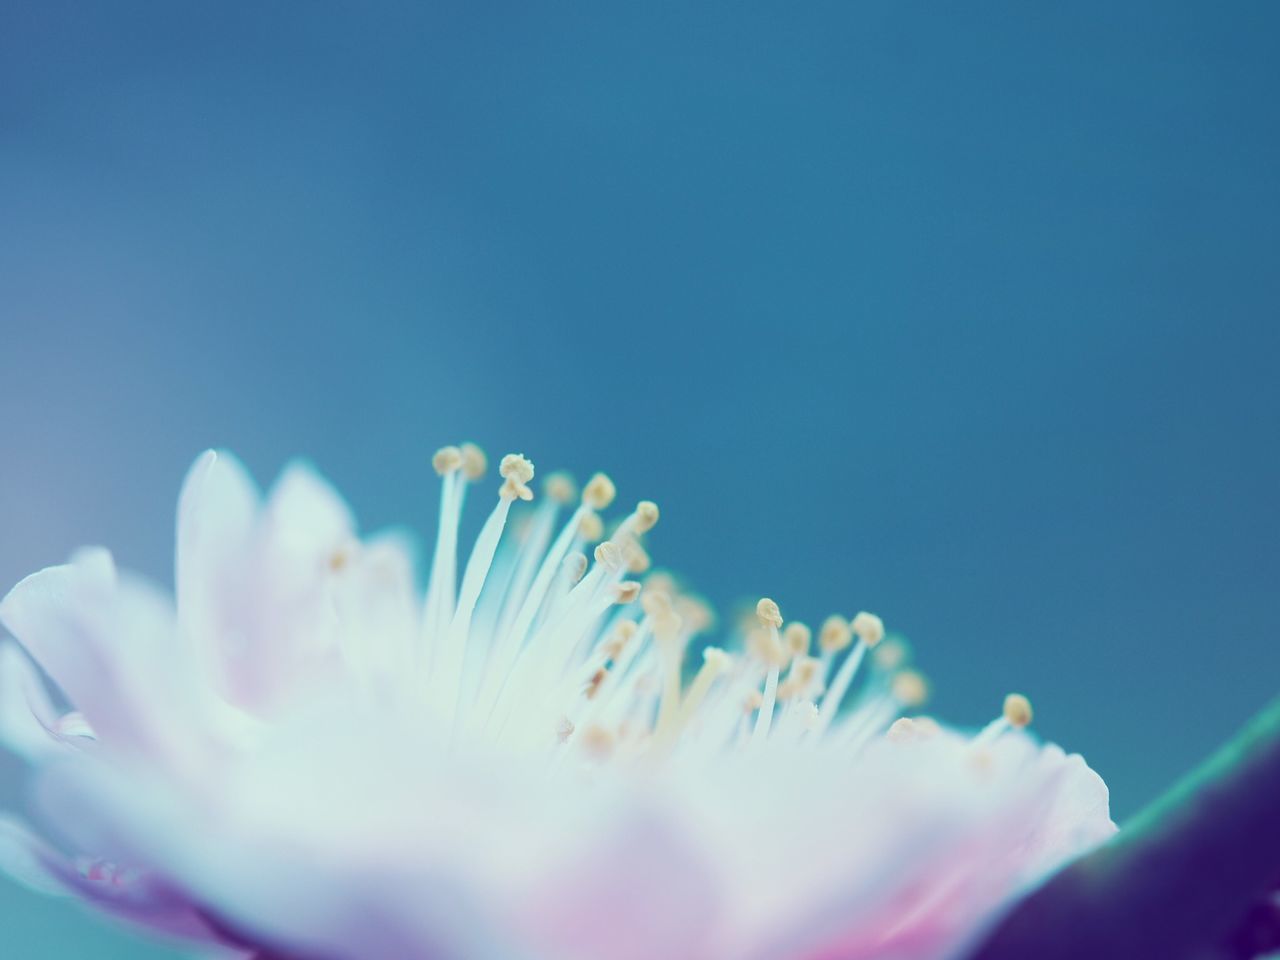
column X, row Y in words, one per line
column 305, row 756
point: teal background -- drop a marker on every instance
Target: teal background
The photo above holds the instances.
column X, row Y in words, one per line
column 965, row 313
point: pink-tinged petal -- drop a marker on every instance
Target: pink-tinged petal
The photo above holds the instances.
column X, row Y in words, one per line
column 946, row 896
column 277, row 766
column 611, row 883
column 127, row 894
column 262, row 881
column 1076, row 817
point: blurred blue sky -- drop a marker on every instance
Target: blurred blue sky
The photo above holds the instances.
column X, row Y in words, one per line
column 963, row 313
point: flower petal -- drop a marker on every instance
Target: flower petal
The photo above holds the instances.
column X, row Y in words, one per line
column 217, row 511
column 108, row 642
column 27, row 859
column 27, row 716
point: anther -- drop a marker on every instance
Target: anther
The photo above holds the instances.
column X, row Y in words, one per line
column 609, row 555
column 638, row 560
column 797, row 637
column 559, row 486
column 626, row 592
column 446, row 460
column 1017, row 710
column 516, row 472
column 767, row 613
column 910, row 688
column 591, row 527
column 575, row 565
column 890, row 655
column 868, row 627
column 646, row 516
column 835, row 634
column 516, row 465
column 474, row 461
column 599, row 492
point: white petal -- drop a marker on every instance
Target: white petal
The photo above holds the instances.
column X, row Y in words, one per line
column 25, row 858
column 26, row 713
column 307, row 518
column 109, row 643
column 217, row 511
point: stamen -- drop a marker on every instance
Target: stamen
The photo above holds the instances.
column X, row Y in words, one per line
column 516, row 472
column 910, row 688
column 474, row 462
column 516, row 465
column 771, row 618
column 1017, row 710
column 646, row 516
column 840, row 685
column 610, row 556
column 660, row 581
column 575, row 567
column 715, row 663
column 1015, row 716
column 597, row 743
column 448, row 676
column 868, row 627
column 638, row 560
column 613, row 645
column 698, row 617
column 835, row 635
column 890, row 655
column 446, row 460
column 590, row 527
column 768, row 614
column 797, row 637
column 801, row 678
column 559, row 486
column 599, row 492
column 441, row 586
column 666, row 631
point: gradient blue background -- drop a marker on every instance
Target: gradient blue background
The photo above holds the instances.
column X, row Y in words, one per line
column 964, row 313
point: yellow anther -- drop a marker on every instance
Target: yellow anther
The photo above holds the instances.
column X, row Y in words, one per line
column 599, row 492
column 868, row 627
column 590, row 527
column 910, row 688
column 516, row 465
column 474, row 461
column 835, row 634
column 797, row 637
column 767, row 613
column 646, row 516
column 446, row 460
column 626, row 592
column 559, row 486
column 1017, row 710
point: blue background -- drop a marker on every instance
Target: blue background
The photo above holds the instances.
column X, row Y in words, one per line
column 965, row 313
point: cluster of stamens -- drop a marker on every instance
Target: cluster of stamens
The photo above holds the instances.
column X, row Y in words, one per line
column 559, row 645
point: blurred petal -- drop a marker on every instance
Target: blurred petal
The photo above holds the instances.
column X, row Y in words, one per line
column 27, row 717
column 26, row 858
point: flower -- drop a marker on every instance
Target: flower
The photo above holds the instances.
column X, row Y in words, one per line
column 304, row 756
